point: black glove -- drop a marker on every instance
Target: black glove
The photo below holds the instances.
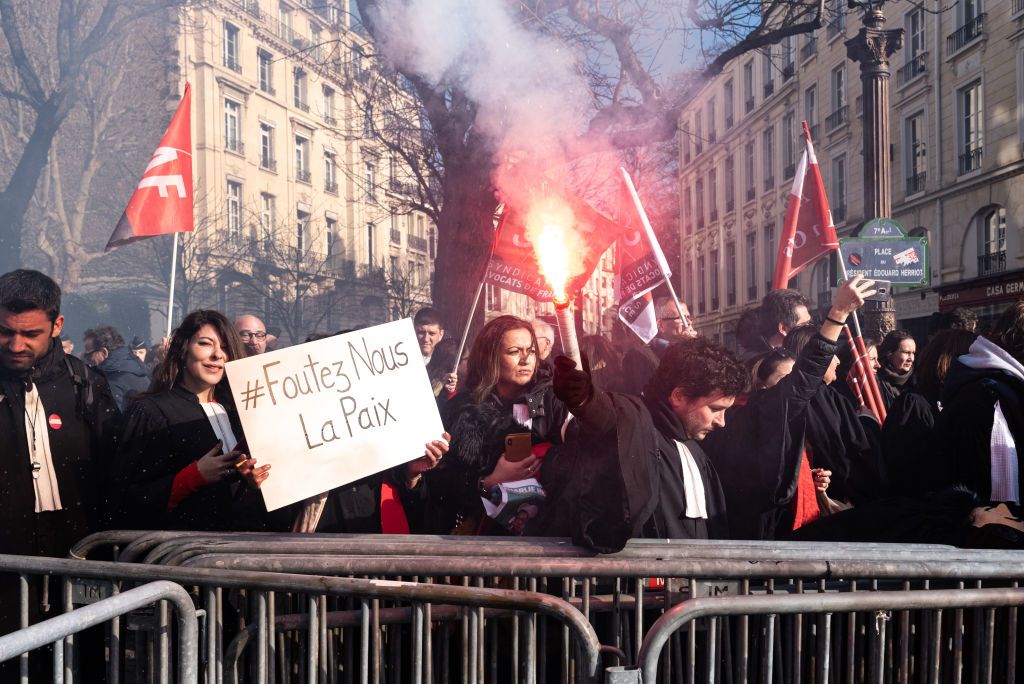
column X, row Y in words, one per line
column 574, row 387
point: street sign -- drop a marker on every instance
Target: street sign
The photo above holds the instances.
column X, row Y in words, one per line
column 882, row 229
column 901, row 261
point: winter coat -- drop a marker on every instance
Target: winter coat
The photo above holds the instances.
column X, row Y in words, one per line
column 892, row 384
column 908, row 445
column 82, row 423
column 164, row 434
column 478, row 439
column 126, row 375
column 639, row 364
column 355, row 508
column 963, row 433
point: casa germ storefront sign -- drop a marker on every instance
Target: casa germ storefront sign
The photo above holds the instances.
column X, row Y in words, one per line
column 991, row 290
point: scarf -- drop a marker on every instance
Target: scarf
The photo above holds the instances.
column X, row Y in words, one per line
column 668, row 424
column 893, row 378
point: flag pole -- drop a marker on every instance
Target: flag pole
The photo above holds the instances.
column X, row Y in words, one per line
column 170, row 292
column 869, row 375
column 655, row 246
column 469, row 321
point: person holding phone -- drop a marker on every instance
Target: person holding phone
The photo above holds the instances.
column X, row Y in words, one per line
column 181, row 461
column 502, row 395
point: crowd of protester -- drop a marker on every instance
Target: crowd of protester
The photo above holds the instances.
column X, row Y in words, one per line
column 678, row 438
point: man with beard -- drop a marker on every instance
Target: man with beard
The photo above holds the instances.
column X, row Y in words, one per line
column 56, row 416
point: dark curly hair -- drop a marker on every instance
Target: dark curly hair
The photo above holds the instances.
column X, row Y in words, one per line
column 1008, row 331
column 700, row 368
column 779, row 306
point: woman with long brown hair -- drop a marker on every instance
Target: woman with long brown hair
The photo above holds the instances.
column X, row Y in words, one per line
column 502, row 395
column 180, row 461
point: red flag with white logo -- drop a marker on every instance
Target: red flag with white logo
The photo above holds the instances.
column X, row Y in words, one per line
column 808, row 233
column 162, row 201
column 513, row 263
column 640, row 267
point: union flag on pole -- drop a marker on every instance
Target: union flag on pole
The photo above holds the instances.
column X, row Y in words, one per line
column 808, row 233
column 641, row 267
column 162, row 201
column 513, row 263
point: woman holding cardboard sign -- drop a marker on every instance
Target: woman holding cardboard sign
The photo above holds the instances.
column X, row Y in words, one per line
column 180, row 463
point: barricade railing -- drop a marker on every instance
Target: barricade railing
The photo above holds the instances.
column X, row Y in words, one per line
column 55, row 630
column 620, row 595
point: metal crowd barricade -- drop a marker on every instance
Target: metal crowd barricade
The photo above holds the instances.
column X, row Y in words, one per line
column 621, row 595
column 55, row 630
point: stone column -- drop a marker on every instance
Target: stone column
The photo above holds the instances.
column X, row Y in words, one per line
column 871, row 48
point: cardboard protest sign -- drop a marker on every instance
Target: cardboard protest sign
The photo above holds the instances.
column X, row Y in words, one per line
column 330, row 412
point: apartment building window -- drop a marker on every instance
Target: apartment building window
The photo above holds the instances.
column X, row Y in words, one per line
column 811, row 110
column 768, row 71
column 915, row 53
column 302, row 173
column 712, row 134
column 837, row 197
column 727, row 103
column 698, row 133
column 702, row 294
column 971, row 125
column 714, row 280
column 232, row 126
column 730, row 274
column 331, row 234
column 768, row 242
column 748, row 87
column 234, row 211
column 265, row 68
column 301, row 229
column 268, row 214
column 688, row 284
column 713, row 194
column 751, row 266
column 329, row 106
column 699, row 189
column 748, row 169
column 367, row 119
column 357, row 62
column 330, row 173
column 788, row 57
column 915, row 153
column 971, row 16
column 838, row 85
column 837, row 18
column 300, row 90
column 267, row 159
column 789, row 133
column 370, row 181
column 688, row 210
column 286, row 22
column 768, row 157
column 992, row 241
column 730, row 183
column 370, row 244
column 231, row 47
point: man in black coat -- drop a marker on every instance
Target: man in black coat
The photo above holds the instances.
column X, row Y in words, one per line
column 56, row 421
column 106, row 351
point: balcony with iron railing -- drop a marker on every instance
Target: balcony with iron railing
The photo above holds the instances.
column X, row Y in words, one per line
column 991, row 263
column 417, row 243
column 729, row 119
column 789, row 171
column 231, row 62
column 331, row 187
column 809, row 49
column 969, row 160
column 268, row 89
column 1018, row 8
column 303, row 175
column 730, row 297
column 714, row 303
column 713, row 216
column 915, row 182
column 302, row 106
column 252, row 7
column 234, row 145
column 730, row 205
column 396, row 236
column 751, row 193
column 330, row 120
column 837, row 118
column 268, row 164
column 769, row 88
column 836, row 25
column 749, row 105
column 966, row 34
column 769, row 183
column 912, row 69
column 787, row 71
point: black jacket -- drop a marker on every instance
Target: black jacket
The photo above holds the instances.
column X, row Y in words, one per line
column 908, row 445
column 125, row 374
column 355, row 508
column 81, row 427
column 164, row 434
column 478, row 431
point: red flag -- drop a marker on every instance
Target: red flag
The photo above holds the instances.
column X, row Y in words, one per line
column 162, row 202
column 640, row 267
column 808, row 233
column 513, row 262
column 860, row 377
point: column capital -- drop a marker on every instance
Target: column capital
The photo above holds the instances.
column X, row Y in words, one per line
column 872, row 47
